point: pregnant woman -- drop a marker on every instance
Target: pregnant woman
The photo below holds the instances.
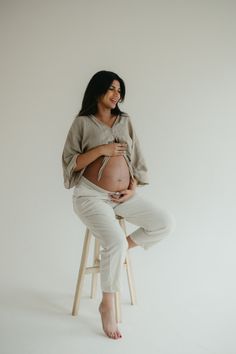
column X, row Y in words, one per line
column 102, row 160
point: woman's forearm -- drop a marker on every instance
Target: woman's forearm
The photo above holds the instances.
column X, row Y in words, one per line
column 88, row 157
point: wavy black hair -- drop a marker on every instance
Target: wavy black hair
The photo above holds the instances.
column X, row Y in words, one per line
column 98, row 86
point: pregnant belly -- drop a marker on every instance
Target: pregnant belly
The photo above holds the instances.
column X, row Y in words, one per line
column 115, row 176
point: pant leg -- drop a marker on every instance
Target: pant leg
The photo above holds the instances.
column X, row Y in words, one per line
column 155, row 223
column 98, row 215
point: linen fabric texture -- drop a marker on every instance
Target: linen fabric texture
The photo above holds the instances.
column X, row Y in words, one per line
column 97, row 211
column 87, row 132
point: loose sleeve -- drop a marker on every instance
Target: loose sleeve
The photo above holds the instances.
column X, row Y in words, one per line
column 72, row 149
column 138, row 162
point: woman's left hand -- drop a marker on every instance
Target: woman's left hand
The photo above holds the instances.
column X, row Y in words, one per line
column 123, row 196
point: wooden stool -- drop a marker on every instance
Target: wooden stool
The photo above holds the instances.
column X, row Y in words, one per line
column 95, row 269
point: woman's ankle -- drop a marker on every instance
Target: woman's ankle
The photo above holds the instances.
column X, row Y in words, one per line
column 131, row 243
column 107, row 300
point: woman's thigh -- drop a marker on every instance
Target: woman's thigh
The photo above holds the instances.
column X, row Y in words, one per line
column 99, row 217
column 140, row 211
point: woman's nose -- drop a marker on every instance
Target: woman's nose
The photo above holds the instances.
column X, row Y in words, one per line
column 117, row 94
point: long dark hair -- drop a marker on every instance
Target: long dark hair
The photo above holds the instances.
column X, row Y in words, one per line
column 98, row 86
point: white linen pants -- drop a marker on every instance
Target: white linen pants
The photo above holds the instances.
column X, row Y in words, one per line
column 93, row 206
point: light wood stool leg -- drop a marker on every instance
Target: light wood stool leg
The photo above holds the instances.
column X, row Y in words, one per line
column 82, row 269
column 117, row 307
column 130, row 280
column 96, row 262
column 96, row 268
column 129, row 269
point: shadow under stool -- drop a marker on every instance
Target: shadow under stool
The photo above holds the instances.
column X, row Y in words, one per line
column 95, row 269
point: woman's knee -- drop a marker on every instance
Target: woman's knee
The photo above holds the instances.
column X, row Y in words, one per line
column 163, row 221
column 170, row 222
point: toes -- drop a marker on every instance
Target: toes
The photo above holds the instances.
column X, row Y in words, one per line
column 114, row 335
column 110, row 334
column 119, row 335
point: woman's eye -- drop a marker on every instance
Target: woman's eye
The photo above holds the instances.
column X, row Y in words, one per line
column 112, row 89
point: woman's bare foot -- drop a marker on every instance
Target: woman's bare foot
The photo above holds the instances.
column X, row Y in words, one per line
column 108, row 321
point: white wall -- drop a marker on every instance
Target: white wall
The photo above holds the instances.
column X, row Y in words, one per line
column 178, row 61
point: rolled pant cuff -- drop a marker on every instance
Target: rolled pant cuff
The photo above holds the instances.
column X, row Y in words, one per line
column 137, row 237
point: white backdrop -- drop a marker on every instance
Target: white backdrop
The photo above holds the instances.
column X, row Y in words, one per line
column 177, row 59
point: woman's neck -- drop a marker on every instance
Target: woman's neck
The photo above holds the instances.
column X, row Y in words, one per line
column 104, row 114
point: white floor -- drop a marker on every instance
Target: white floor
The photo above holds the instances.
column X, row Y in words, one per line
column 38, row 321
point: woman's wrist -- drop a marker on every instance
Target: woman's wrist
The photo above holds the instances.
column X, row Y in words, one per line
column 133, row 184
column 100, row 150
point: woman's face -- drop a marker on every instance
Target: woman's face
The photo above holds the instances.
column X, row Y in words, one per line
column 112, row 96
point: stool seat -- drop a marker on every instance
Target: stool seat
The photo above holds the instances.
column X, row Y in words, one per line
column 95, row 269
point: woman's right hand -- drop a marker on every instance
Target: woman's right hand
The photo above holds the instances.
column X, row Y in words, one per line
column 113, row 149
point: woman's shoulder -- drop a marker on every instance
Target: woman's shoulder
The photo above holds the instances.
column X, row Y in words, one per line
column 126, row 117
column 81, row 120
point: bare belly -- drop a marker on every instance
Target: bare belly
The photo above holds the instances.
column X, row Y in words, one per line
column 115, row 176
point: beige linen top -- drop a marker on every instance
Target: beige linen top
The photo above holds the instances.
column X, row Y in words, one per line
column 87, row 132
